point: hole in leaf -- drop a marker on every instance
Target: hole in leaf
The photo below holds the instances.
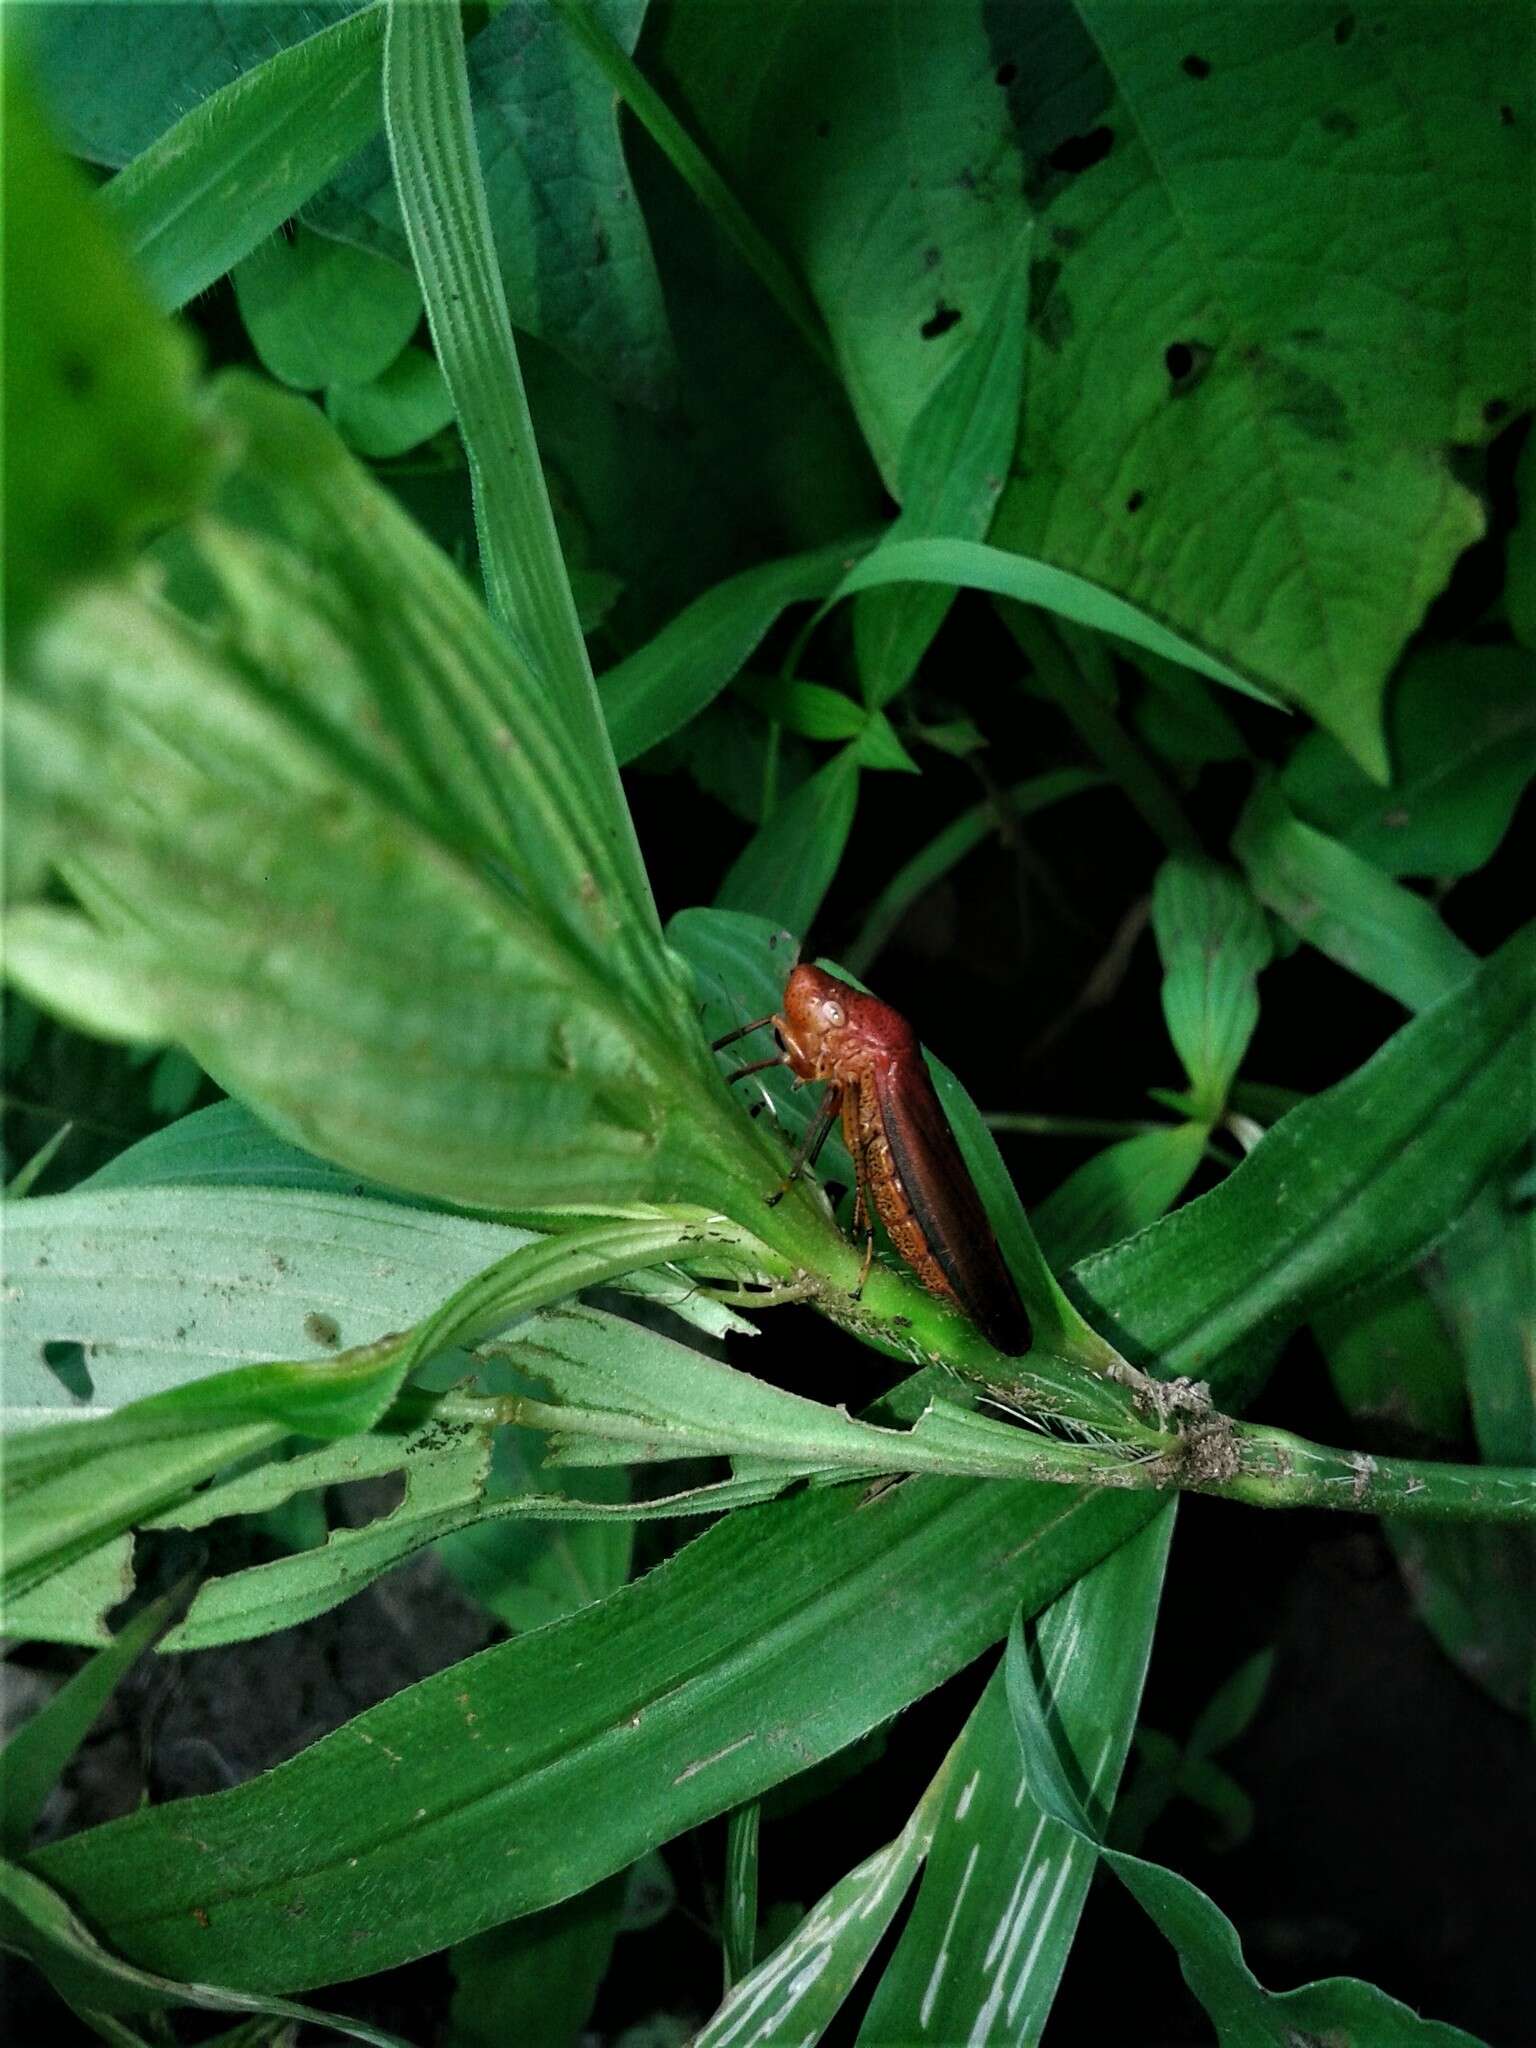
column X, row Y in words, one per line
column 322, row 1329
column 1195, row 67
column 1135, row 501
column 1344, row 29
column 1507, row 116
column 65, row 1359
column 1006, row 73
column 1082, row 152
column 939, row 321
column 1186, row 363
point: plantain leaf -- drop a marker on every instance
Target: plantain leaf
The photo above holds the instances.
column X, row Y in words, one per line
column 1214, row 942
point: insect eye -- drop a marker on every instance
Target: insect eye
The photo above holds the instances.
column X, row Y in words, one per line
column 832, row 1015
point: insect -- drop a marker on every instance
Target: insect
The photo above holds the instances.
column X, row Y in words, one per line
column 906, row 1161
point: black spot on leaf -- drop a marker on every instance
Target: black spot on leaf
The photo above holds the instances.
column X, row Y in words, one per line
column 1082, row 152
column 76, row 375
column 1006, row 73
column 939, row 321
column 1337, row 122
column 1344, row 29
column 1507, row 116
column 1195, row 67
column 1135, row 501
column 1187, row 363
column 1495, row 410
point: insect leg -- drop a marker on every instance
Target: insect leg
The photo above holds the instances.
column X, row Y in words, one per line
column 810, row 1145
column 862, row 1221
column 753, row 1067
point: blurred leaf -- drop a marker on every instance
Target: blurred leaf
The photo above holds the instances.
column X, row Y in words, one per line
column 1228, row 1712
column 1119, row 1191
column 26, row 1176
column 973, row 565
column 1259, row 452
column 788, row 865
column 540, row 1974
column 652, row 692
column 34, row 1758
column 949, row 475
column 401, row 408
column 1004, row 1886
column 1244, row 2015
column 1341, row 903
column 294, row 841
column 36, row 1923
column 794, row 1994
column 1214, row 942
column 1181, row 719
column 320, row 313
column 950, row 846
column 1461, row 725
column 103, row 442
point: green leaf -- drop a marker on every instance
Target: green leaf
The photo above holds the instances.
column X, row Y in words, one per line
column 974, row 565
column 320, row 313
column 950, row 473
column 1119, row 1191
column 442, row 196
column 788, row 865
column 1392, row 1361
column 1004, row 1885
column 545, row 1969
column 36, row 1923
column 403, row 407
column 794, row 1994
column 1461, row 726
column 1345, row 906
column 1520, row 561
column 1214, row 942
column 205, row 190
column 738, row 1905
column 1259, row 452
column 34, row 1758
column 1228, row 1712
column 810, row 709
column 651, row 693
column 752, row 1629
column 879, row 159
column 1244, row 2014
column 103, row 441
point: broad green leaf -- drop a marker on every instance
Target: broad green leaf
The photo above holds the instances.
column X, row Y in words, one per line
column 876, row 153
column 1119, row 1191
column 1244, row 2015
column 1243, row 388
column 1461, row 727
column 1004, row 1885
column 950, row 473
column 794, row 1994
column 1345, row 906
column 441, row 190
column 34, row 1757
column 403, row 407
column 300, row 128
column 35, row 1922
column 652, row 692
column 950, row 846
column 751, row 1631
column 787, row 867
column 103, row 441
column 1214, row 942
column 976, row 565
column 321, row 313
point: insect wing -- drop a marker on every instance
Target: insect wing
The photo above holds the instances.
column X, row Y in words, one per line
column 945, row 1201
